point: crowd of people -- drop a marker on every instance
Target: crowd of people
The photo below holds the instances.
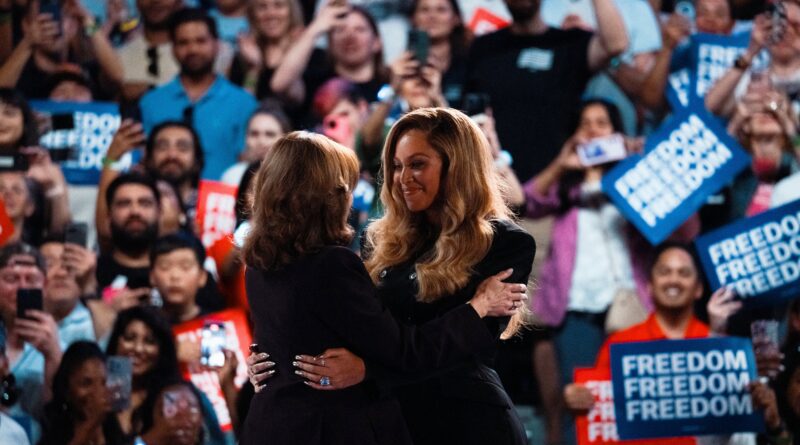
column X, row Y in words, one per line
column 437, row 203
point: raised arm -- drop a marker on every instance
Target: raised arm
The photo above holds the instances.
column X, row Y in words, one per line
column 610, row 39
column 651, row 93
column 720, row 99
column 287, row 80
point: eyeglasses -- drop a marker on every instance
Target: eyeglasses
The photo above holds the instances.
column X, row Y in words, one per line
column 152, row 60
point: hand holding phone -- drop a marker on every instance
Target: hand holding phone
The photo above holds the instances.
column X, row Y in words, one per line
column 119, row 378
column 602, row 150
column 28, row 299
column 419, row 44
column 212, row 344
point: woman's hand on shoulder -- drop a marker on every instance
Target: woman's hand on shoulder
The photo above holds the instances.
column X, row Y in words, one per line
column 494, row 298
column 259, row 368
column 335, row 368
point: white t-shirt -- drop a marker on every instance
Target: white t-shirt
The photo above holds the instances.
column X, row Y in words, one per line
column 11, row 432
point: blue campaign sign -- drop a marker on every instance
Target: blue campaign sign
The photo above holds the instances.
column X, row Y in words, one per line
column 80, row 133
column 712, row 56
column 674, row 388
column 686, row 160
column 678, row 88
column 758, row 256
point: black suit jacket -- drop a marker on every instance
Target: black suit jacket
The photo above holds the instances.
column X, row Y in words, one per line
column 435, row 403
column 327, row 300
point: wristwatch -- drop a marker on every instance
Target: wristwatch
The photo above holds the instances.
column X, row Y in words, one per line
column 742, row 63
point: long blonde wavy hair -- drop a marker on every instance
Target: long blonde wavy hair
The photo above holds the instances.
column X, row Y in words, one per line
column 469, row 199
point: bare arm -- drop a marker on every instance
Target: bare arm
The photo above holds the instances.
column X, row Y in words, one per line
column 129, row 136
column 36, row 31
column 720, row 98
column 651, row 91
column 287, row 79
column 610, row 40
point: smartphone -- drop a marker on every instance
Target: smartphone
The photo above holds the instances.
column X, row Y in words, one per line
column 475, row 104
column 419, row 44
column 119, row 378
column 76, row 233
column 28, row 299
column 212, row 344
column 686, row 9
column 52, row 7
column 17, row 162
column 602, row 150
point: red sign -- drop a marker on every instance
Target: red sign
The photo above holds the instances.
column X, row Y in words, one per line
column 238, row 339
column 6, row 225
column 216, row 214
column 599, row 426
column 484, row 21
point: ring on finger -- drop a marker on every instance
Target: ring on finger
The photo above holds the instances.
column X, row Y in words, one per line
column 325, row 381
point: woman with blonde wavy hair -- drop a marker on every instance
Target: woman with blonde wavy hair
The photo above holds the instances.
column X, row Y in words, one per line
column 444, row 231
column 309, row 293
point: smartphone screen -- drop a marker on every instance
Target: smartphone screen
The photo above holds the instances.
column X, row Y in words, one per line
column 419, row 44
column 602, row 150
column 76, row 233
column 28, row 299
column 212, row 345
column 119, row 378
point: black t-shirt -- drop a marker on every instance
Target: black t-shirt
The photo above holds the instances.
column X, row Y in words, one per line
column 535, row 84
column 208, row 298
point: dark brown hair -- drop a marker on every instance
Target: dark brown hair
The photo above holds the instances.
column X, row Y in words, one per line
column 300, row 200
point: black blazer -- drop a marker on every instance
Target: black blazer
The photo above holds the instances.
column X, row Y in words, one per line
column 464, row 403
column 327, row 300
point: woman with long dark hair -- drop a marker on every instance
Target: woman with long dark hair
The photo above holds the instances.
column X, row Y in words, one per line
column 145, row 336
column 80, row 410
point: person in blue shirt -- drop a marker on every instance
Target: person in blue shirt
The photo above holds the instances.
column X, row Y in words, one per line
column 217, row 109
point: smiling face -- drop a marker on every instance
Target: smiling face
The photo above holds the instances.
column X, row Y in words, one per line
column 354, row 43
column 139, row 343
column 675, row 281
column 11, row 125
column 417, row 171
column 271, row 18
column 88, row 381
column 595, row 122
column 713, row 17
column 436, row 17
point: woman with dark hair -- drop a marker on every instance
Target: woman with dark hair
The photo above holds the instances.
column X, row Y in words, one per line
column 355, row 53
column 80, row 410
column 145, row 336
column 18, row 126
column 46, row 185
column 449, row 42
column 595, row 256
column 173, row 413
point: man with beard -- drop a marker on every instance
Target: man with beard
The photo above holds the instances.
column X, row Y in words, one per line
column 544, row 72
column 216, row 108
column 173, row 153
column 133, row 209
column 47, row 44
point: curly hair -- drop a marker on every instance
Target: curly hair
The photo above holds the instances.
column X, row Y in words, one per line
column 300, row 200
column 470, row 198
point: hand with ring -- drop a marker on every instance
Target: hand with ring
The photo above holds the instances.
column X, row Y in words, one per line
column 333, row 369
column 259, row 368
